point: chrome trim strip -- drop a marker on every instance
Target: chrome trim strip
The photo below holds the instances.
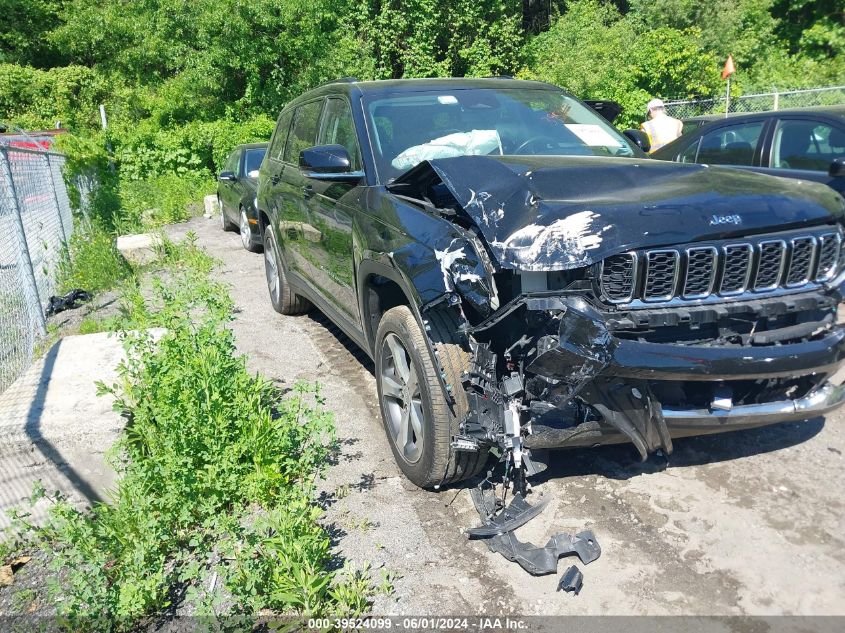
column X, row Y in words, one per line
column 750, row 250
column 714, row 263
column 818, row 402
column 675, row 276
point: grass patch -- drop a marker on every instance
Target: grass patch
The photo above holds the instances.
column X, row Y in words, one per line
column 163, row 199
column 217, row 476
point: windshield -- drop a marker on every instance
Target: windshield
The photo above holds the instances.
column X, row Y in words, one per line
column 411, row 127
column 252, row 161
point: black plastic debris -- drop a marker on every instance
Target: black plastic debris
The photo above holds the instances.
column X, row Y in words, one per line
column 518, row 512
column 67, row 302
column 500, row 521
column 572, row 580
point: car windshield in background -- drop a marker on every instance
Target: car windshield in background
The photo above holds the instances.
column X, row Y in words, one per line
column 253, row 161
column 409, row 128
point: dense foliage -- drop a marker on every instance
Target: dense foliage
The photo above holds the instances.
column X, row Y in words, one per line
column 184, row 81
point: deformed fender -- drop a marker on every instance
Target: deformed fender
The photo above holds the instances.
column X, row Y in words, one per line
column 455, row 267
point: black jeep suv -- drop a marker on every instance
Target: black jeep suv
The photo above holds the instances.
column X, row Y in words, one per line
column 525, row 278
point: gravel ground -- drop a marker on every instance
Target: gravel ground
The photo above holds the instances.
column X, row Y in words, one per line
column 749, row 522
column 743, row 523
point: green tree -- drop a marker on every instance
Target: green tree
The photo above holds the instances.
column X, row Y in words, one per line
column 594, row 51
column 429, row 38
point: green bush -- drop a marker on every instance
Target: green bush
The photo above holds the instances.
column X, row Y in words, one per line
column 34, row 98
column 160, row 200
column 217, row 476
column 91, row 261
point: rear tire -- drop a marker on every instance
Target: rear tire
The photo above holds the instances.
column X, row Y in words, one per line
column 284, row 300
column 246, row 233
column 415, row 410
column 225, row 223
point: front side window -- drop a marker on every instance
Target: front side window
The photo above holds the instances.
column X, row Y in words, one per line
column 303, row 132
column 408, row 128
column 806, row 145
column 730, row 144
column 277, row 145
column 338, row 128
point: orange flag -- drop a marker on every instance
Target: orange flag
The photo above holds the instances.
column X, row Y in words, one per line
column 729, row 69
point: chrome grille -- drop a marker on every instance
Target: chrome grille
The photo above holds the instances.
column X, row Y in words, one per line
column 723, row 269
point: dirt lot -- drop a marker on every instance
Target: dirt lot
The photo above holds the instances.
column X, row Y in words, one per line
column 744, row 523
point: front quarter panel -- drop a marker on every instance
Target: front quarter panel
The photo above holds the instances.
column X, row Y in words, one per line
column 432, row 256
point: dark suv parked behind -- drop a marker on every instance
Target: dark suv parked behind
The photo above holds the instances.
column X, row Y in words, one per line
column 236, row 187
column 525, row 278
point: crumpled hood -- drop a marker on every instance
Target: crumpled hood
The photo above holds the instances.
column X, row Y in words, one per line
column 562, row 212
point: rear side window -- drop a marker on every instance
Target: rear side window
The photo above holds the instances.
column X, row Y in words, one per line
column 338, row 128
column 277, row 146
column 806, row 145
column 731, row 144
column 303, row 132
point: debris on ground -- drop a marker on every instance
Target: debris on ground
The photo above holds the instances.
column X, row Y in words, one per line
column 572, row 580
column 68, row 301
column 500, row 520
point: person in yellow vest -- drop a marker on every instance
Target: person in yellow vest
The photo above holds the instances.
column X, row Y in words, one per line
column 661, row 128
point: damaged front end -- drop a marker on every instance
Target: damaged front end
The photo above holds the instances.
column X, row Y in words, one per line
column 597, row 311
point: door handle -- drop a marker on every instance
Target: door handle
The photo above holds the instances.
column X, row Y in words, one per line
column 308, row 191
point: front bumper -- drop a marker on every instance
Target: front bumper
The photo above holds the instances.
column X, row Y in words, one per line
column 605, row 371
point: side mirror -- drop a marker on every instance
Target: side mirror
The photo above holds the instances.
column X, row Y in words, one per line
column 638, row 138
column 227, row 176
column 837, row 168
column 325, row 159
column 328, row 162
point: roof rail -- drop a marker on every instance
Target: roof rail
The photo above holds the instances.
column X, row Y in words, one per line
column 342, row 80
column 498, row 77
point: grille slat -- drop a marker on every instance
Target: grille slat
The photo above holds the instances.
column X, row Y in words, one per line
column 736, row 268
column 770, row 264
column 701, row 271
column 802, row 252
column 661, row 275
column 829, row 245
column 617, row 276
column 722, row 269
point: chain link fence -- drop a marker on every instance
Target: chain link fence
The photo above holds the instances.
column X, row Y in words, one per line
column 35, row 223
column 763, row 102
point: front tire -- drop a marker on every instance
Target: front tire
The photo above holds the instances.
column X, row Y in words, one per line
column 284, row 300
column 417, row 418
